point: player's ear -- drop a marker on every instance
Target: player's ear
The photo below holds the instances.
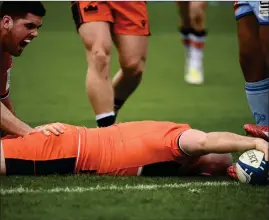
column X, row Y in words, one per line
column 7, row 22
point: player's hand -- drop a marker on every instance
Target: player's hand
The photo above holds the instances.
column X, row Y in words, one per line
column 262, row 146
column 47, row 129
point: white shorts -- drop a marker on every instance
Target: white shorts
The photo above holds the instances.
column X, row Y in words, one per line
column 259, row 8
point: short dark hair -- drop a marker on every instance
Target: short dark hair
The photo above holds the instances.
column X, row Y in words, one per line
column 21, row 9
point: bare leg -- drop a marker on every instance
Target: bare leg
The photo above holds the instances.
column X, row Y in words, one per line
column 132, row 56
column 98, row 43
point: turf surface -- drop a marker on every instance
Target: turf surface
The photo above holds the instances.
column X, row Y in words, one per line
column 48, row 85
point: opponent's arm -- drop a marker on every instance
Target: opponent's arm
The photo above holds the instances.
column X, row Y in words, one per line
column 12, row 124
column 195, row 142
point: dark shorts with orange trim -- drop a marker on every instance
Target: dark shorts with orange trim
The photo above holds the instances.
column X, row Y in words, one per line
column 127, row 18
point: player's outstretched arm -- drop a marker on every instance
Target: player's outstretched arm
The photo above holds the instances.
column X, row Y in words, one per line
column 12, row 124
column 195, row 142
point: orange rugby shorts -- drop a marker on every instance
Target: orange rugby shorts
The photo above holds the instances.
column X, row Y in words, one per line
column 127, row 18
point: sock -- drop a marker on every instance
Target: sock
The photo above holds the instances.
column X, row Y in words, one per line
column 105, row 119
column 258, row 95
column 196, row 50
column 184, row 34
column 117, row 105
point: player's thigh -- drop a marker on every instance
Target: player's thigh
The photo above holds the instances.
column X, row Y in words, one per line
column 247, row 26
column 197, row 11
column 194, row 5
column 131, row 31
column 247, row 30
column 132, row 51
column 264, row 38
column 248, row 38
column 183, row 12
column 93, row 20
column 261, row 11
column 96, row 37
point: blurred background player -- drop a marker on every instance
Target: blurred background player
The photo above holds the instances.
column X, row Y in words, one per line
column 100, row 24
column 19, row 23
column 193, row 34
column 253, row 38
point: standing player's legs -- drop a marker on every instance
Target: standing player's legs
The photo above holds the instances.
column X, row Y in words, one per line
column 131, row 30
column 193, row 34
column 93, row 24
column 253, row 54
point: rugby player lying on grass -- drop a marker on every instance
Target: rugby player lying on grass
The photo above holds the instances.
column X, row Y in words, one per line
column 132, row 148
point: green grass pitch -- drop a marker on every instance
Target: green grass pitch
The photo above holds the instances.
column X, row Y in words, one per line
column 48, row 84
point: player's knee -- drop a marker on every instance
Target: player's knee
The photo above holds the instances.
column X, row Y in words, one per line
column 245, row 57
column 196, row 12
column 134, row 67
column 99, row 59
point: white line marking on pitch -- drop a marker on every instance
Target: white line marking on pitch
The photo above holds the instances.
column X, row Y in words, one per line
column 112, row 187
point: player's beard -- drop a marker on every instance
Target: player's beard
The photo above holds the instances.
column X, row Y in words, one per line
column 13, row 45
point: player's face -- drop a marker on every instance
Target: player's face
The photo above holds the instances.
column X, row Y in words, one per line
column 21, row 32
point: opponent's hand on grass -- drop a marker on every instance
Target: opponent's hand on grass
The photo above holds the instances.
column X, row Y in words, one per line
column 47, row 129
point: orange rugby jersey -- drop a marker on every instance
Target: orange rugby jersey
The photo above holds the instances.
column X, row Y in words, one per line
column 124, row 149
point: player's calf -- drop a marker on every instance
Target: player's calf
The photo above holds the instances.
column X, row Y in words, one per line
column 126, row 81
column 132, row 55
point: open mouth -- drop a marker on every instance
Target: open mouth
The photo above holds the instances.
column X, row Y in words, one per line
column 24, row 43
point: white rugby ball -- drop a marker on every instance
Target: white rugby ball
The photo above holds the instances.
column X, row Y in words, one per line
column 252, row 168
